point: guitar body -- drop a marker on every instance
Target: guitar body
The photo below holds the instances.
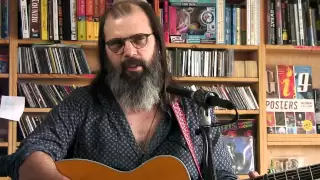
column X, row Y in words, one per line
column 158, row 168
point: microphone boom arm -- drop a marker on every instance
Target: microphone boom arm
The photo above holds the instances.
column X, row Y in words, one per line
column 205, row 101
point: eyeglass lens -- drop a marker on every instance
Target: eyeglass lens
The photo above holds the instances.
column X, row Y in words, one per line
column 137, row 40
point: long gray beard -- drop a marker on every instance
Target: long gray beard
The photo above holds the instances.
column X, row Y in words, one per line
column 139, row 93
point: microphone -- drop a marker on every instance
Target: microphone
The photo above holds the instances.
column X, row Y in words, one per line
column 201, row 97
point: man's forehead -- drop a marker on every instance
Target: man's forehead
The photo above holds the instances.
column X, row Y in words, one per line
column 127, row 25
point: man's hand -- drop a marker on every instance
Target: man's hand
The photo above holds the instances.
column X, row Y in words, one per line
column 253, row 174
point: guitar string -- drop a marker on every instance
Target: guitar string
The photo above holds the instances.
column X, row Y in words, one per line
column 296, row 175
column 306, row 174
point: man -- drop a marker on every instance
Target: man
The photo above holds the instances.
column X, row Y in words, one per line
column 124, row 117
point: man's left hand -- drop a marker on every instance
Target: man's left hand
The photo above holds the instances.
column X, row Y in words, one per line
column 253, row 175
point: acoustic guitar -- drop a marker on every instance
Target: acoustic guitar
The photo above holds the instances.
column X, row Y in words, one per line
column 163, row 167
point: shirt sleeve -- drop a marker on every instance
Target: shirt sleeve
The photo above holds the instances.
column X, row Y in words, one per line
column 3, row 166
column 53, row 136
column 221, row 157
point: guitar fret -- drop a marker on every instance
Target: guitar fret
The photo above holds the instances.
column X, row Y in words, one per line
column 315, row 169
column 291, row 175
column 285, row 174
column 278, row 176
column 310, row 172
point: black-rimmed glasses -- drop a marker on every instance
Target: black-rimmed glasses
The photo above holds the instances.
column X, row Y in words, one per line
column 138, row 41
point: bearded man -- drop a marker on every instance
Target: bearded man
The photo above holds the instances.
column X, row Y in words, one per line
column 124, row 117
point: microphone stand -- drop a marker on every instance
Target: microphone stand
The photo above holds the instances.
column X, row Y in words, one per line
column 206, row 125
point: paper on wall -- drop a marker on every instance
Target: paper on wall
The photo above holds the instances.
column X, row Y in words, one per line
column 12, row 107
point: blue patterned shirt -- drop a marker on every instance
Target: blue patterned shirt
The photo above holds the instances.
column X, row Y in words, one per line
column 80, row 127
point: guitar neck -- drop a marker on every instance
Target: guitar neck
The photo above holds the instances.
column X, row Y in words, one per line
column 304, row 173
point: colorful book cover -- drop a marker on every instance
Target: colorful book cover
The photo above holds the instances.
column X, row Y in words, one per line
column 241, row 150
column 290, row 100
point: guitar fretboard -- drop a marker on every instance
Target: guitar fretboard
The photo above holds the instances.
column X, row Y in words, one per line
column 304, row 173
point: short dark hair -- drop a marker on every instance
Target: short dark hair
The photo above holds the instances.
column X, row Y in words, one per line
column 117, row 10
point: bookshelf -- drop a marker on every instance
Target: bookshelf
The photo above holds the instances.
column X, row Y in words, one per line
column 304, row 146
column 264, row 54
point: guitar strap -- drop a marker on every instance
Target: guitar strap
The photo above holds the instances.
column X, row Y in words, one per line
column 180, row 116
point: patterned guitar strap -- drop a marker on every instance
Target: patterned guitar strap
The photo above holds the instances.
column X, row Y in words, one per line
column 180, row 116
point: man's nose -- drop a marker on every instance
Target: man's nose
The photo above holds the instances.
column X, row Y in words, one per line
column 129, row 50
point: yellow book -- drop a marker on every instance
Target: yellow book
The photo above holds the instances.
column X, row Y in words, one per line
column 90, row 29
column 44, row 20
column 82, row 35
column 96, row 30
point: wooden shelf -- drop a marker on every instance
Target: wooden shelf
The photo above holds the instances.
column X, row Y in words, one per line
column 216, row 79
column 178, row 79
column 59, row 76
column 37, row 110
column 293, row 139
column 240, row 112
column 290, row 48
column 221, row 112
column 4, row 41
column 213, row 46
column 4, row 76
column 4, row 144
column 87, row 44
column 94, row 44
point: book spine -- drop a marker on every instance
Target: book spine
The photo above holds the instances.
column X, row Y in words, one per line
column 257, row 24
column 96, row 20
column 89, row 19
column 173, row 20
column 292, row 24
column 35, row 19
column 296, row 22
column 248, row 4
column 50, row 19
column 243, row 27
column 24, row 19
column 156, row 7
column 81, row 19
column 44, row 20
column 166, row 21
column 73, row 19
column 301, row 23
column 220, row 13
column 252, row 22
column 285, row 39
column 238, row 21
column 228, row 24
column 55, row 20
column 317, row 17
column 60, row 19
column 102, row 8
column 234, row 25
column 278, row 22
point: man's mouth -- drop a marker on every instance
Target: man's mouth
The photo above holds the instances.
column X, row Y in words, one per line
column 134, row 67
